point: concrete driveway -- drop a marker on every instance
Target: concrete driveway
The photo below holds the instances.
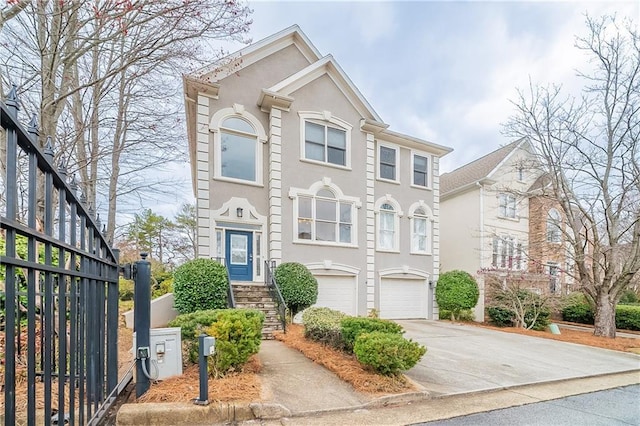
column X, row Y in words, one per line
column 465, row 358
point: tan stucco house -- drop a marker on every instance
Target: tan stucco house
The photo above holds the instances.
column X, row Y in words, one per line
column 495, row 222
column 291, row 163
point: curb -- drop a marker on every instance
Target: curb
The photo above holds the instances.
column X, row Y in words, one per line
column 189, row 414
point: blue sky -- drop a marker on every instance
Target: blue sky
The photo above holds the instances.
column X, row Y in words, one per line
column 440, row 70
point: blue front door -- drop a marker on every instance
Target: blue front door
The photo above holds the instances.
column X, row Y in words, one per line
column 239, row 255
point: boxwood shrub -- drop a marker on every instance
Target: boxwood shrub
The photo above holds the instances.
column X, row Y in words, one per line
column 456, row 291
column 352, row 327
column 500, row 317
column 387, row 353
column 323, row 325
column 578, row 312
column 298, row 286
column 628, row 317
column 238, row 334
column 199, row 285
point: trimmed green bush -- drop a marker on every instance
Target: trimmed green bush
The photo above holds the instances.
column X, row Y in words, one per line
column 629, row 297
column 298, row 286
column 323, row 325
column 456, row 291
column 387, row 353
column 192, row 324
column 199, row 285
column 125, row 289
column 352, row 327
column 628, row 317
column 578, row 312
column 500, row 317
column 238, row 334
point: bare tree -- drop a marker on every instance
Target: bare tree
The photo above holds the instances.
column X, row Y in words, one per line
column 588, row 147
column 106, row 73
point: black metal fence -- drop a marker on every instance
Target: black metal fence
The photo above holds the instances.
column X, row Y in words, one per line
column 60, row 289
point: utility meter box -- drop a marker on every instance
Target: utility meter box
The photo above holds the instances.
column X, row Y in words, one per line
column 165, row 352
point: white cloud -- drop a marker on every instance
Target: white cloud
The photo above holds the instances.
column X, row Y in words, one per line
column 374, row 20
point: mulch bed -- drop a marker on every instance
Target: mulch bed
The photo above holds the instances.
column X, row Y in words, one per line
column 244, row 386
column 345, row 366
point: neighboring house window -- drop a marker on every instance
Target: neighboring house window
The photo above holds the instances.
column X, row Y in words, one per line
column 507, row 253
column 553, row 270
column 521, row 174
column 554, row 230
column 420, row 166
column 324, row 215
column 421, row 230
column 507, row 205
column 388, row 163
column 388, row 212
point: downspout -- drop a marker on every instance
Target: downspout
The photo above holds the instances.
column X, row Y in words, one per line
column 481, row 300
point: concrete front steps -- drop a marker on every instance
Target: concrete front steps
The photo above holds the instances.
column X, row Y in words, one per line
column 256, row 296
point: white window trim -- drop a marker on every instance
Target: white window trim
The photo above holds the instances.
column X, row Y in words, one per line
column 429, row 216
column 397, row 165
column 325, row 183
column 521, row 265
column 515, row 217
column 215, row 127
column 325, row 118
column 429, row 169
column 388, row 199
column 556, row 222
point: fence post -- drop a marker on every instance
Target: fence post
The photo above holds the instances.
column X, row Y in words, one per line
column 142, row 321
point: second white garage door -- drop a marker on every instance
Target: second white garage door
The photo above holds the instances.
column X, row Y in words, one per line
column 403, row 299
column 337, row 292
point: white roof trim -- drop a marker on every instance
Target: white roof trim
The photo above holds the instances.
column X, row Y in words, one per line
column 260, row 50
column 329, row 66
column 506, row 158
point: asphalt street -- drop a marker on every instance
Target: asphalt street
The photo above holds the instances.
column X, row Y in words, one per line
column 619, row 406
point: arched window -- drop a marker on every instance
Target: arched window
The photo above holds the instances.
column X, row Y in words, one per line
column 388, row 214
column 324, row 215
column 554, row 230
column 238, row 146
column 421, row 219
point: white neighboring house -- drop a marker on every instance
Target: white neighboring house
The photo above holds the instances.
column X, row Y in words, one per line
column 485, row 214
column 291, row 163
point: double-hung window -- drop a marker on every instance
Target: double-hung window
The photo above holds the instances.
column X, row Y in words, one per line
column 507, row 205
column 388, row 163
column 554, row 229
column 421, row 232
column 325, row 218
column 420, row 166
column 507, row 253
column 325, row 143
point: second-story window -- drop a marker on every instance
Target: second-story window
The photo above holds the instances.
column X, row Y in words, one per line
column 507, row 205
column 238, row 149
column 324, row 143
column 420, row 170
column 324, row 218
column 554, row 229
column 387, row 227
column 388, row 163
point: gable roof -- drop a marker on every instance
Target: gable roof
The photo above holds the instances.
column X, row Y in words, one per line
column 254, row 52
column 477, row 170
column 325, row 66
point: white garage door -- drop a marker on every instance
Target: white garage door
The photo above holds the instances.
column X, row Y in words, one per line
column 337, row 292
column 403, row 299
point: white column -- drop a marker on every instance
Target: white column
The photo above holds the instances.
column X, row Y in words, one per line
column 203, row 170
column 436, row 231
column 371, row 223
column 275, row 185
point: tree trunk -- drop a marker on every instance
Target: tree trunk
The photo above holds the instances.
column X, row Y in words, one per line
column 605, row 318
